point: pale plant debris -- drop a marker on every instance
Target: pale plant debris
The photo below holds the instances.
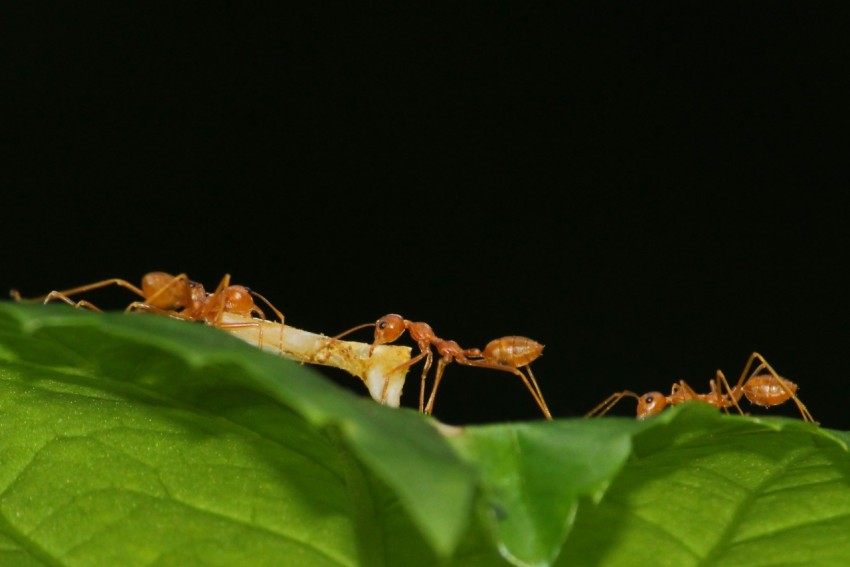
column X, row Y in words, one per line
column 379, row 372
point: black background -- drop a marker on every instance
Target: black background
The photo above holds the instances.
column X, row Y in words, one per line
column 653, row 191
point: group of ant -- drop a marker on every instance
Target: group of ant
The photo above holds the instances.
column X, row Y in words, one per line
column 182, row 298
column 179, row 297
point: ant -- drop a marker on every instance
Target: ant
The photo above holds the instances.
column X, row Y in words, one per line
column 763, row 389
column 507, row 354
column 176, row 296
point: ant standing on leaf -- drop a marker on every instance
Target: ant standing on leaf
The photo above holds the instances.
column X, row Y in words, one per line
column 176, row 296
column 507, row 354
column 764, row 389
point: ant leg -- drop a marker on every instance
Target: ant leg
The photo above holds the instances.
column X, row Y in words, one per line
column 429, row 358
column 734, row 395
column 428, row 355
column 441, row 366
column 276, row 312
column 736, row 392
column 143, row 306
column 224, row 283
column 540, row 403
column 269, row 303
column 55, row 295
column 216, row 303
column 545, row 408
column 803, row 410
column 81, row 289
column 255, row 324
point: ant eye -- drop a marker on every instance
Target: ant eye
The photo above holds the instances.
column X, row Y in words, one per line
column 649, row 399
column 382, row 325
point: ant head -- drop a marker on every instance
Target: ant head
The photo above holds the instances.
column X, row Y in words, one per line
column 387, row 329
column 651, row 404
column 237, row 299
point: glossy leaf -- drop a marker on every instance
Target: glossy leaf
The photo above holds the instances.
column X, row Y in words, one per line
column 109, row 389
column 706, row 489
column 136, row 439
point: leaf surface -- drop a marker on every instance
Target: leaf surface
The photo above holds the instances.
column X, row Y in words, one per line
column 141, row 440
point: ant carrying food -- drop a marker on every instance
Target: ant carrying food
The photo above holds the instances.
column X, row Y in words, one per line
column 507, row 354
column 764, row 389
column 175, row 296
column 232, row 308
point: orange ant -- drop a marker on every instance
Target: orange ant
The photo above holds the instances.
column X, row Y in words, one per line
column 176, row 296
column 506, row 354
column 763, row 389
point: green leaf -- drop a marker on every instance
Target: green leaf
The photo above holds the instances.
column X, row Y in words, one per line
column 139, row 440
column 534, row 473
column 702, row 488
column 170, row 437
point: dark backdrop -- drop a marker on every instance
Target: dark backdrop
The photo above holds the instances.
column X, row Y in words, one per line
column 652, row 191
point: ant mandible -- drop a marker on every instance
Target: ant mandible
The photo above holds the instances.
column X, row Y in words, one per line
column 763, row 389
column 506, row 354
